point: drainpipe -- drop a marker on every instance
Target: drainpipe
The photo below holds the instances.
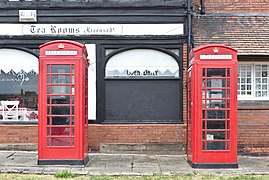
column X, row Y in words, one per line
column 202, row 6
column 189, row 20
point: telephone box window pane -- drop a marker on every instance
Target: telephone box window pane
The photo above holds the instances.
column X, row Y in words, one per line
column 60, row 131
column 61, row 120
column 48, row 99
column 215, row 124
column 60, row 99
column 204, row 123
column 216, row 114
column 48, row 110
column 60, row 141
column 216, row 94
column 72, row 141
column 48, row 141
column 48, row 89
column 48, row 79
column 216, row 83
column 216, row 103
column 73, row 79
column 48, row 131
column 228, row 103
column 60, row 110
column 73, row 110
column 73, row 99
column 60, row 79
column 204, row 72
column 215, row 145
column 73, row 120
column 60, row 68
column 216, row 135
column 73, row 90
column 48, row 68
column 60, row 89
column 228, row 114
column 211, row 72
column 48, row 120
column 204, row 114
column 204, row 135
column 228, row 125
column 73, row 68
column 73, row 131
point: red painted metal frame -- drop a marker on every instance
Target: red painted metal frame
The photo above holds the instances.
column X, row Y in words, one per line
column 76, row 152
column 197, row 154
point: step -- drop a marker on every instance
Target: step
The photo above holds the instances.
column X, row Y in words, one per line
column 143, row 148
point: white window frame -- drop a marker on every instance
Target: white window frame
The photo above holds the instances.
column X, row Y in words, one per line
column 253, row 82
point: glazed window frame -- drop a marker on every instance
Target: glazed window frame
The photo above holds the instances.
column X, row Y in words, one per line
column 253, row 81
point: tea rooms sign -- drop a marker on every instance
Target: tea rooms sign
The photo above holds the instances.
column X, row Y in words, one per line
column 91, row 29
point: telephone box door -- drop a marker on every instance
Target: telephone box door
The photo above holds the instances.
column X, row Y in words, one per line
column 62, row 104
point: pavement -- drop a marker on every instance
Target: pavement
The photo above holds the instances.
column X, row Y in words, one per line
column 127, row 164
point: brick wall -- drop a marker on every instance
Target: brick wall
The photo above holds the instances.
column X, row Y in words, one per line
column 251, row 137
column 233, row 5
column 136, row 133
column 253, row 130
column 18, row 133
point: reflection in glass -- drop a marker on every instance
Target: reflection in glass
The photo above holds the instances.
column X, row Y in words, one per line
column 60, row 89
column 48, row 79
column 215, row 114
column 61, row 120
column 215, row 124
column 60, row 79
column 48, row 68
column 215, row 103
column 216, row 72
column 215, row 145
column 60, row 99
column 59, row 68
column 60, row 141
column 60, row 110
column 216, row 83
column 60, row 131
column 216, row 135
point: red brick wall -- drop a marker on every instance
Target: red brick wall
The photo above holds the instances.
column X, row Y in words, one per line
column 253, row 130
column 18, row 133
column 120, row 133
column 136, row 133
column 233, row 5
column 251, row 137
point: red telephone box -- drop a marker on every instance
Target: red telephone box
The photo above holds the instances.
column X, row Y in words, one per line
column 212, row 107
column 63, row 103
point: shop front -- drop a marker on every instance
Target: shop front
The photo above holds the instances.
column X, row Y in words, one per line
column 135, row 73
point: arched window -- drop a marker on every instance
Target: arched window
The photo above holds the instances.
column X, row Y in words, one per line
column 18, row 85
column 142, row 63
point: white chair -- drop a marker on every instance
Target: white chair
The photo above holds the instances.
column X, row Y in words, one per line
column 10, row 110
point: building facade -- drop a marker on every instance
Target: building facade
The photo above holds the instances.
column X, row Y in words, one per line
column 136, row 49
column 138, row 65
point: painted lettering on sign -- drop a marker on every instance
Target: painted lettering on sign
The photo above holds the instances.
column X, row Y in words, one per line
column 143, row 73
column 215, row 56
column 61, row 53
column 54, row 29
